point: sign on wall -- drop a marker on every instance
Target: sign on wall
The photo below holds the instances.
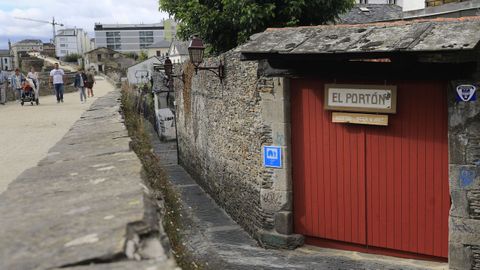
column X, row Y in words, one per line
column 361, row 98
column 272, row 156
column 360, row 118
column 466, row 92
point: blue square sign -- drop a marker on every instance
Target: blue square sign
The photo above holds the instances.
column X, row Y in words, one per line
column 272, row 156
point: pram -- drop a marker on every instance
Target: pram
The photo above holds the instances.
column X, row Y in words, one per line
column 28, row 93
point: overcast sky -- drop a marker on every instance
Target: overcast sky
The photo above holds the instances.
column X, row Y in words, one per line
column 74, row 13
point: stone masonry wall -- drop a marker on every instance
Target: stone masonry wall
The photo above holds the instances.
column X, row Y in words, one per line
column 464, row 152
column 220, row 136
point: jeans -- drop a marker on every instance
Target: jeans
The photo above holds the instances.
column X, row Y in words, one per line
column 83, row 96
column 59, row 91
column 18, row 93
column 3, row 93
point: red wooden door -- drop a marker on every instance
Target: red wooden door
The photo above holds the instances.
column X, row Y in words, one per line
column 381, row 187
column 329, row 169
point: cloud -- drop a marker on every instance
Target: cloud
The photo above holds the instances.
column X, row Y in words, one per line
column 76, row 13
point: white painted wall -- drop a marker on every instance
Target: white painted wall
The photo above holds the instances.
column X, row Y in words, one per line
column 145, row 69
column 413, row 4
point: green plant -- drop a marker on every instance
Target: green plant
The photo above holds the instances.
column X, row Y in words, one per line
column 224, row 24
column 72, row 57
column 142, row 56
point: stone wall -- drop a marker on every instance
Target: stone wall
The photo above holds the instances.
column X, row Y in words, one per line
column 464, row 175
column 222, row 127
column 221, row 134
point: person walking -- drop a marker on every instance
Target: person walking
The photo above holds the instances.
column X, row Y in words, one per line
column 80, row 80
column 33, row 75
column 57, row 78
column 16, row 82
column 3, row 87
column 89, row 83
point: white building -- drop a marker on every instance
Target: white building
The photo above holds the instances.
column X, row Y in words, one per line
column 142, row 72
column 6, row 60
column 405, row 4
column 178, row 52
column 159, row 49
column 71, row 41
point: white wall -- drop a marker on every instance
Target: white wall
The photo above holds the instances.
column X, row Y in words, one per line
column 140, row 69
column 413, row 4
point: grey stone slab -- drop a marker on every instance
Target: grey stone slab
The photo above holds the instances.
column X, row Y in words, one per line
column 76, row 205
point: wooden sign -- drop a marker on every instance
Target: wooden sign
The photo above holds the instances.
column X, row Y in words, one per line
column 361, row 98
column 360, row 118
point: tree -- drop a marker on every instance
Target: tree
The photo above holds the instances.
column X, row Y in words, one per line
column 225, row 24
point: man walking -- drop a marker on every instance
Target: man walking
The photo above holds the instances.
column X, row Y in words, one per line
column 3, row 87
column 16, row 82
column 57, row 77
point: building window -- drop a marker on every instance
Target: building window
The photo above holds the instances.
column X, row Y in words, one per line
column 114, row 40
column 392, row 2
column 146, row 39
column 99, row 57
column 159, row 53
column 62, row 45
column 363, row 1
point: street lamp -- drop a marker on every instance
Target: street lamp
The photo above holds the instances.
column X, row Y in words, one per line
column 196, row 52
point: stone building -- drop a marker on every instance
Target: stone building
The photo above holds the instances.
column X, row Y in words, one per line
column 108, row 61
column 22, row 48
column 6, row 60
column 178, row 51
column 49, row 49
column 320, row 135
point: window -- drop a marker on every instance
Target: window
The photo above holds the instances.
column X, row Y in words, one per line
column 392, row 2
column 146, row 39
column 99, row 57
column 114, row 40
column 363, row 1
column 62, row 45
column 159, row 53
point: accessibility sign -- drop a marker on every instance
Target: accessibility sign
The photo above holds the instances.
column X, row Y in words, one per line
column 272, row 156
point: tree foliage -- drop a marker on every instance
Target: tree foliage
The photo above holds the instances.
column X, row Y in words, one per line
column 224, row 24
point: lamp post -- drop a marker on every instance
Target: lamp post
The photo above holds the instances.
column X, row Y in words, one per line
column 196, row 51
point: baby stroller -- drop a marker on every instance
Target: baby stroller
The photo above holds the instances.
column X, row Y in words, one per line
column 28, row 93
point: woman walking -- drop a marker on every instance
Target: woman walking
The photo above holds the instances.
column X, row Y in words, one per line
column 33, row 75
column 89, row 83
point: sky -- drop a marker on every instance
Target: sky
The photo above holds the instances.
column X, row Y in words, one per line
column 73, row 13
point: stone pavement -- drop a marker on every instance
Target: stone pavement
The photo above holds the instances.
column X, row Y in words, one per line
column 84, row 206
column 216, row 241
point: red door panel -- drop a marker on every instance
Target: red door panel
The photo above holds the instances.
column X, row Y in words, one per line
column 383, row 187
column 407, row 167
column 328, row 168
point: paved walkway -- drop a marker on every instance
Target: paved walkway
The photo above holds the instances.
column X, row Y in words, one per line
column 84, row 205
column 216, row 240
column 26, row 133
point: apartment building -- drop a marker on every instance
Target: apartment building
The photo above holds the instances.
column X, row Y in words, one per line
column 71, row 41
column 6, row 60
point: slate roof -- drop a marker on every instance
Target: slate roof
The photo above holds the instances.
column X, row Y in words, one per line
column 182, row 46
column 160, row 44
column 368, row 13
column 409, row 36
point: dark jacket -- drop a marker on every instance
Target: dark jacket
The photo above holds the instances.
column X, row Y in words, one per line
column 79, row 77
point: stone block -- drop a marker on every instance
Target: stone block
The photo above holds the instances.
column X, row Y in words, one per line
column 275, row 240
column 459, row 204
column 282, row 180
column 284, row 222
column 281, row 88
column 281, row 133
column 274, row 201
column 460, row 257
column 464, row 231
column 457, row 143
column 464, row 177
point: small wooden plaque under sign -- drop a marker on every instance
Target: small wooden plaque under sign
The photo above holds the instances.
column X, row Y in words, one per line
column 360, row 118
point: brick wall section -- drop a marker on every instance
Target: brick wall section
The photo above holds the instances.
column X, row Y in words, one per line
column 464, row 175
column 221, row 134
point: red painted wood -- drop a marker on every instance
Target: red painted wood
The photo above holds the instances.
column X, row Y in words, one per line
column 331, row 176
column 381, row 187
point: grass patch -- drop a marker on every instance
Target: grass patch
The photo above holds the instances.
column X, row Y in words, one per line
column 156, row 178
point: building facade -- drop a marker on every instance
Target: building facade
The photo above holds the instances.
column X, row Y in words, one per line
column 22, row 48
column 6, row 60
column 159, row 49
column 125, row 38
column 71, row 41
column 178, row 52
